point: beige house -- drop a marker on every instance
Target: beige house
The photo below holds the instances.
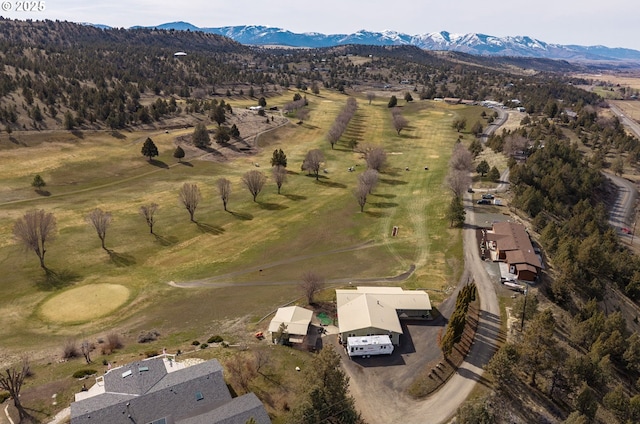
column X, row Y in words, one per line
column 297, row 321
column 369, row 311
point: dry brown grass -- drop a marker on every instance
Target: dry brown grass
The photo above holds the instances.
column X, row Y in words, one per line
column 630, row 108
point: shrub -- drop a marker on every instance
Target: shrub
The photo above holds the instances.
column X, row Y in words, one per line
column 195, row 343
column 204, row 346
column 114, row 342
column 84, row 372
column 149, row 336
column 4, row 396
column 151, row 353
column 215, row 339
column 224, row 344
column 70, row 350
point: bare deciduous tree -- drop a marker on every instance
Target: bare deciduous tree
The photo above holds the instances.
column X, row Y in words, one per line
column 371, row 96
column 242, row 370
column 302, row 114
column 311, row 284
column 279, row 175
column 458, row 181
column 101, row 221
column 342, row 121
column 224, row 190
column 513, row 144
column 190, row 197
column 376, row 158
column 11, row 380
column 254, row 180
column 361, row 192
column 148, row 212
column 312, row 162
column 34, row 230
column 369, row 179
column 461, row 158
column 86, row 348
column 399, row 121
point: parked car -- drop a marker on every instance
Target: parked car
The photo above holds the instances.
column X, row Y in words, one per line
column 484, row 202
column 487, row 196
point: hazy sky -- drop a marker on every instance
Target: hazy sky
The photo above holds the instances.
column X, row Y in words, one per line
column 613, row 23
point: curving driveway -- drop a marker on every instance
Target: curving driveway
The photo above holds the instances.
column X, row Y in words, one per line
column 380, row 392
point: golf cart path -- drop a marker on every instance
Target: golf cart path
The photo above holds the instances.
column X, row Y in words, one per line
column 226, row 280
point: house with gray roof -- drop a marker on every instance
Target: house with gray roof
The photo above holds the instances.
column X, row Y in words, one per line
column 160, row 390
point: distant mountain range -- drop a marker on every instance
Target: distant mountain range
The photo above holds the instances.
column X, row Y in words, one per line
column 476, row 44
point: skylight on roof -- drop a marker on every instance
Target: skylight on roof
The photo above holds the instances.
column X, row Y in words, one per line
column 126, row 373
column 143, row 369
column 199, row 396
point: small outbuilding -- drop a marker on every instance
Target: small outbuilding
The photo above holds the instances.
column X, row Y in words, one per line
column 296, row 321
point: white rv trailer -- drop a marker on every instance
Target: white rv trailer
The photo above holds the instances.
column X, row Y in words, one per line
column 369, row 345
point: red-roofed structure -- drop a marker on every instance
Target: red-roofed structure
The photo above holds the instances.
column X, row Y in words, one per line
column 510, row 243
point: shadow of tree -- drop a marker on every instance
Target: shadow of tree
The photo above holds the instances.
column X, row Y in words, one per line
column 209, row 229
column 241, row 215
column 272, row 206
column 55, row 280
column 121, row 259
column 384, row 205
column 385, row 196
column 332, row 184
column 392, row 182
column 80, row 134
column 295, row 197
column 159, row 163
column 45, row 193
column 118, row 135
column 375, row 214
column 189, row 164
column 166, row 241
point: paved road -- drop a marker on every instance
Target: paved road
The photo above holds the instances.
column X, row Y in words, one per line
column 622, row 214
column 632, row 125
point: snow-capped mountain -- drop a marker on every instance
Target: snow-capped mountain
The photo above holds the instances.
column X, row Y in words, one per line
column 476, row 44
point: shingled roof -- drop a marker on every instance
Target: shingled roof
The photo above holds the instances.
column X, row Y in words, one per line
column 513, row 239
column 150, row 390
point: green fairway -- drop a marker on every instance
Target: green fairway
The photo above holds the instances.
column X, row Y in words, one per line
column 248, row 259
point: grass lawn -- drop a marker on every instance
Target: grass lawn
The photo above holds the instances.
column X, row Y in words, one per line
column 249, row 259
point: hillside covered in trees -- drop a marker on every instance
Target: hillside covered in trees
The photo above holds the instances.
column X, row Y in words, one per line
column 575, row 356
